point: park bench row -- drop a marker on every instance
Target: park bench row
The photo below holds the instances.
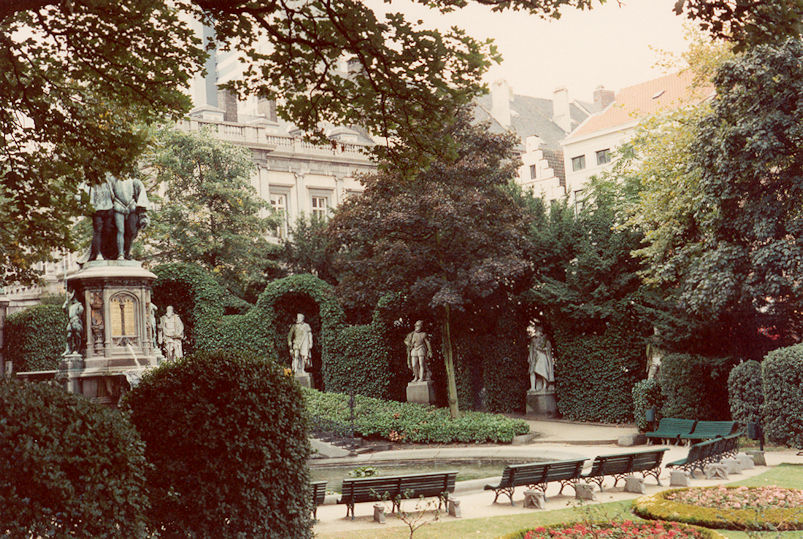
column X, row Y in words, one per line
column 674, row 429
column 536, row 475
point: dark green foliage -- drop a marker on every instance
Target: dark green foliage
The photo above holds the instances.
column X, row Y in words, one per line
column 695, row 387
column 402, row 421
column 70, row 468
column 595, row 375
column 647, row 394
column 308, row 249
column 34, row 339
column 782, row 381
column 226, row 434
column 745, row 393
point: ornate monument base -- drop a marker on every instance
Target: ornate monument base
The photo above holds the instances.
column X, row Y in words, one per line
column 542, row 404
column 117, row 334
column 304, row 380
column 421, row 392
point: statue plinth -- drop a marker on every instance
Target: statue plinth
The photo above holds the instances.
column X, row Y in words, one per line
column 541, row 403
column 304, row 379
column 117, row 334
column 421, row 392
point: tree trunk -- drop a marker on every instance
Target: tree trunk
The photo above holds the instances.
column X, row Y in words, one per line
column 448, row 360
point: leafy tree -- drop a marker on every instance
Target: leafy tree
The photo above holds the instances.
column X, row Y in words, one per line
column 210, row 213
column 80, row 73
column 308, row 249
column 449, row 239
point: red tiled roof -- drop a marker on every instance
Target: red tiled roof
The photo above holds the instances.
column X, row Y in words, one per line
column 634, row 102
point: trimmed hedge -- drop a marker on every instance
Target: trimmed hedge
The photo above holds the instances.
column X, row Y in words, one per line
column 646, row 394
column 745, row 394
column 69, row 467
column 408, row 422
column 657, row 506
column 35, row 338
column 695, row 387
column 595, row 374
column 226, row 434
column 782, row 381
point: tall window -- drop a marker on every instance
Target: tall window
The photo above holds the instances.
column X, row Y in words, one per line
column 279, row 204
column 320, row 207
column 579, row 162
column 532, row 172
column 604, row 156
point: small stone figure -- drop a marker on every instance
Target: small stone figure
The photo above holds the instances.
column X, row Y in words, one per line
column 171, row 333
column 654, row 354
column 130, row 212
column 299, row 340
column 75, row 323
column 419, row 350
column 152, row 325
column 101, row 197
column 541, row 363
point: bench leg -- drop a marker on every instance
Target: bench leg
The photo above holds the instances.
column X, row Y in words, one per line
column 564, row 483
column 350, row 509
column 653, row 473
column 509, row 491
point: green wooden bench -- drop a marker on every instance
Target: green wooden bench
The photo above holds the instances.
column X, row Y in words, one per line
column 318, row 495
column 620, row 465
column 536, row 475
column 397, row 487
column 706, row 452
column 671, row 428
column 706, row 430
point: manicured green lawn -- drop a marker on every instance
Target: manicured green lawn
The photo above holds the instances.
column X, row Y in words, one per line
column 785, row 475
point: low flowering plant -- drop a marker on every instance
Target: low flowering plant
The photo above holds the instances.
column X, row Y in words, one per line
column 615, row 530
column 740, row 497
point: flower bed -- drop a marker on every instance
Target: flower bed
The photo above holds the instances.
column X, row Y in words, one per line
column 735, row 508
column 616, row 530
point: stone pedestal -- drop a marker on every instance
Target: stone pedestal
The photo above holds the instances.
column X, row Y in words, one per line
column 745, row 461
column 584, row 491
column 304, row 380
column 534, row 499
column 678, row 478
column 453, row 507
column 421, row 392
column 541, row 404
column 635, row 484
column 757, row 456
column 118, row 336
column 716, row 471
column 379, row 513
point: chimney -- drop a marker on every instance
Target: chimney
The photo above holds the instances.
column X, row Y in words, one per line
column 560, row 109
column 228, row 102
column 501, row 95
column 267, row 109
column 603, row 97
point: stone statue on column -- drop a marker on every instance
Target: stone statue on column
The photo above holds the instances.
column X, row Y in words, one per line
column 654, row 354
column 541, row 362
column 130, row 204
column 299, row 340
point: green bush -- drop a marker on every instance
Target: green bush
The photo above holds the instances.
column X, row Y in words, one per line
column 595, row 374
column 226, row 434
column 69, row 468
column 782, row 381
column 694, row 387
column 34, row 339
column 646, row 394
column 408, row 422
column 745, row 394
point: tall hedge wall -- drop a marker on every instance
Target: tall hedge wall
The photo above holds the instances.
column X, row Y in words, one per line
column 782, row 381
column 646, row 395
column 595, row 374
column 745, row 394
column 34, row 339
column 695, row 387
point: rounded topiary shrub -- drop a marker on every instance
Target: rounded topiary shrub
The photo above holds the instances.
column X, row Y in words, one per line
column 782, row 381
column 34, row 339
column 69, row 467
column 646, row 394
column 226, row 435
column 745, row 394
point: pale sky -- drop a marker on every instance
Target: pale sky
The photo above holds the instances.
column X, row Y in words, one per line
column 608, row 45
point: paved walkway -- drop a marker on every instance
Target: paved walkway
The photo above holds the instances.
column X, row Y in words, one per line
column 558, row 440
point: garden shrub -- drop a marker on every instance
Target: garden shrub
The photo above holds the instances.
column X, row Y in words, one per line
column 782, row 381
column 226, row 435
column 409, row 422
column 746, row 517
column 69, row 467
column 646, row 394
column 694, row 387
column 35, row 338
column 745, row 394
column 595, row 374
